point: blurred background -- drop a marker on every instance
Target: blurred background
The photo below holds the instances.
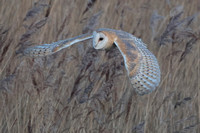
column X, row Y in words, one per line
column 80, row 89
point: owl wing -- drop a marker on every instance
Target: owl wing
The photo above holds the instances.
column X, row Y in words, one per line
column 141, row 65
column 48, row 49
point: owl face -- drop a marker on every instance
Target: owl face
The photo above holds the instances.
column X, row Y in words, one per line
column 100, row 40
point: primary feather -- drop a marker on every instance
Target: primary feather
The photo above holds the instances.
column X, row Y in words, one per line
column 48, row 49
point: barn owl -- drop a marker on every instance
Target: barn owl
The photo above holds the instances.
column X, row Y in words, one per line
column 141, row 65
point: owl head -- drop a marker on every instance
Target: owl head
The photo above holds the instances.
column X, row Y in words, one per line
column 103, row 39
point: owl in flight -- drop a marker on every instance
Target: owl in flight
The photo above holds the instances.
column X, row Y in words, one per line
column 141, row 65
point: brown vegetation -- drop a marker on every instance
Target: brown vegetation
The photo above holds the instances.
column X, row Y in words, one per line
column 84, row 90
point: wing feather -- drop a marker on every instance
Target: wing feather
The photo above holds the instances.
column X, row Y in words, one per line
column 48, row 49
column 141, row 65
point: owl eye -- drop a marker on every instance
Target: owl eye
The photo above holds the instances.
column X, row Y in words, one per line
column 101, row 39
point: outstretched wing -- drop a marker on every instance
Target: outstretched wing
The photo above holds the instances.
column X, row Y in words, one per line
column 141, row 65
column 48, row 49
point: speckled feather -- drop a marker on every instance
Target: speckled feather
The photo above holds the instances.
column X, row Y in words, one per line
column 147, row 77
column 48, row 49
